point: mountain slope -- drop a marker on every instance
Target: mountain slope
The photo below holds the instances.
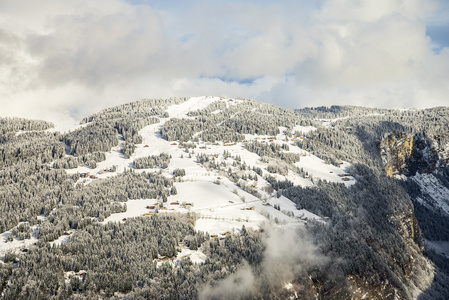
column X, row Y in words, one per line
column 244, row 197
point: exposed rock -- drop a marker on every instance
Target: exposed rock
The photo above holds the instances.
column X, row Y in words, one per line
column 406, row 155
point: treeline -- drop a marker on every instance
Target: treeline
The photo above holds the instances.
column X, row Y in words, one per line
column 92, row 138
column 100, row 133
column 31, row 146
column 230, row 121
column 153, row 161
column 13, row 126
column 71, row 162
column 29, row 187
column 273, row 150
column 124, row 258
column 100, row 199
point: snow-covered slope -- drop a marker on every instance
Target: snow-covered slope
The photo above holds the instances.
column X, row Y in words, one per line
column 222, row 207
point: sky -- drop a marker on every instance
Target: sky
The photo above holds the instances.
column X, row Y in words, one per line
column 63, row 60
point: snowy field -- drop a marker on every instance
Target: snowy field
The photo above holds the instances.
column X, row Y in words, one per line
column 220, row 207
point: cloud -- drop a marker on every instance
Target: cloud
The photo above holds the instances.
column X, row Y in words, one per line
column 288, row 256
column 234, row 286
column 73, row 58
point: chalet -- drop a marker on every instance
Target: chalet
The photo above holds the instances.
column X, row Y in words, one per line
column 226, row 233
column 164, row 208
column 345, row 179
column 347, row 174
column 250, row 208
column 266, row 204
column 66, row 233
column 147, row 215
column 146, row 146
column 150, row 206
column 93, row 177
column 189, row 204
column 341, row 175
column 252, row 187
column 124, row 219
column 174, row 203
column 214, row 235
column 257, row 138
column 173, row 144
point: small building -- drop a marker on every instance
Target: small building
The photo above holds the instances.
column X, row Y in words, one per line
column 146, row 146
column 124, row 219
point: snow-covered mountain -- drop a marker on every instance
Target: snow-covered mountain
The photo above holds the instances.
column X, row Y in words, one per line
column 213, row 197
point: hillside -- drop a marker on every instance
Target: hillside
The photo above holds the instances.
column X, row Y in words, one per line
column 218, row 198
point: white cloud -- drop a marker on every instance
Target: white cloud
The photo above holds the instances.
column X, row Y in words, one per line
column 73, row 58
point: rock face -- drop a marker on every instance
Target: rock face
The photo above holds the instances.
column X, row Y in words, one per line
column 407, row 155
